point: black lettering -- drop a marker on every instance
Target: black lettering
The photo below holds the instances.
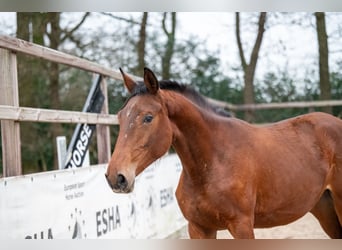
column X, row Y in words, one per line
column 98, row 224
column 166, row 197
column 50, row 234
column 41, row 234
column 111, row 221
column 162, row 198
column 107, row 220
column 117, row 217
column 104, row 220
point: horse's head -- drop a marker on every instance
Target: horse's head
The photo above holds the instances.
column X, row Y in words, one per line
column 145, row 132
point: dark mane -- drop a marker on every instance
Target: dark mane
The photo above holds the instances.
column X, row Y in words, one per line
column 183, row 89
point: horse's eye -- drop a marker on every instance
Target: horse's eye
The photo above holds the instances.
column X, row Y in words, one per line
column 148, row 118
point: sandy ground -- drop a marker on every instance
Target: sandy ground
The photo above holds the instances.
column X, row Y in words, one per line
column 305, row 228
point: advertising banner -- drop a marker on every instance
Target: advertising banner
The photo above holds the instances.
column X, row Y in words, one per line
column 78, row 204
column 83, row 133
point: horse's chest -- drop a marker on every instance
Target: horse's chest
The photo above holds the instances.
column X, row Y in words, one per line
column 198, row 207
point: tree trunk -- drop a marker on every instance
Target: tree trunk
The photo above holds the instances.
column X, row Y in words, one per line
column 249, row 68
column 31, row 76
column 170, row 44
column 23, row 25
column 141, row 45
column 324, row 82
column 25, row 73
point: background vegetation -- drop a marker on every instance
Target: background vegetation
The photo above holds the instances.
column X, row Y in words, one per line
column 135, row 40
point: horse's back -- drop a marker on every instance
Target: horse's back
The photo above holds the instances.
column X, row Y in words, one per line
column 317, row 130
column 326, row 128
column 319, row 124
column 295, row 157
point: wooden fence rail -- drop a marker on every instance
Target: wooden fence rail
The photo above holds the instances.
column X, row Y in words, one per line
column 282, row 105
column 18, row 45
column 54, row 116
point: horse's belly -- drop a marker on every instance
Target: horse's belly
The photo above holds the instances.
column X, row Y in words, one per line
column 281, row 200
column 284, row 207
column 288, row 192
column 276, row 219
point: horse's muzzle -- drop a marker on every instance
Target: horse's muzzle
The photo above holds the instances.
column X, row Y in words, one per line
column 119, row 184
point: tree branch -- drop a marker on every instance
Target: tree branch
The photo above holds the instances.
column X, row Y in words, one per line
column 142, row 43
column 239, row 43
column 257, row 44
column 120, row 18
column 164, row 24
column 68, row 34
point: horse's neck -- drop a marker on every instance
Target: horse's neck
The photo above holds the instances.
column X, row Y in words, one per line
column 192, row 128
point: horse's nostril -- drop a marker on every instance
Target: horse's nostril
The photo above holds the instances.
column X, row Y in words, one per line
column 121, row 181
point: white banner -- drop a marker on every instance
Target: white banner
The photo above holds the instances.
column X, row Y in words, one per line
column 78, row 203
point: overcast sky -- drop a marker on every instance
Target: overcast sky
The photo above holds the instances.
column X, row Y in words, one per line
column 295, row 45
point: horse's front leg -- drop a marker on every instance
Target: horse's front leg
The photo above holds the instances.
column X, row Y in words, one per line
column 242, row 228
column 198, row 232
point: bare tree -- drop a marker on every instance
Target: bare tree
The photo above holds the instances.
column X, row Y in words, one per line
column 324, row 82
column 249, row 67
column 170, row 43
column 34, row 74
column 141, row 45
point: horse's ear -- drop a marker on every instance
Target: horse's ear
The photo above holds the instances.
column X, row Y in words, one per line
column 129, row 82
column 151, row 81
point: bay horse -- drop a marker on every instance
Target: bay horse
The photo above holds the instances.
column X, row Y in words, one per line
column 235, row 175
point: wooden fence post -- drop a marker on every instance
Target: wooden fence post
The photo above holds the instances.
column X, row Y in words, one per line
column 102, row 131
column 10, row 130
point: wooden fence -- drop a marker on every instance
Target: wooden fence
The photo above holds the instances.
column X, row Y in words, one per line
column 11, row 114
column 280, row 105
